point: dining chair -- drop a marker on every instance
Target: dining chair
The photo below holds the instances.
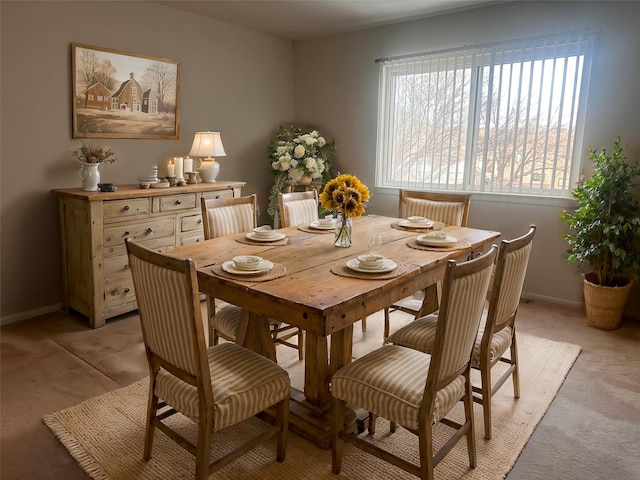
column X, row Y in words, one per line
column 228, row 216
column 215, row 387
column 414, row 389
column 297, row 208
column 448, row 208
column 497, row 331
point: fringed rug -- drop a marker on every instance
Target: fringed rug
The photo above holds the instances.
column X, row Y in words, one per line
column 105, row 434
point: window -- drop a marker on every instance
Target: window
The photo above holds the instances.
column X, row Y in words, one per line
column 501, row 118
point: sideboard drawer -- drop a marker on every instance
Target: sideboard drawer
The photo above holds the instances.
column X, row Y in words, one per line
column 119, row 293
column 191, row 222
column 171, row 203
column 218, row 194
column 117, row 209
column 140, row 232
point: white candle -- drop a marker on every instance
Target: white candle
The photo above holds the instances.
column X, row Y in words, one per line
column 171, row 169
column 179, row 171
column 188, row 164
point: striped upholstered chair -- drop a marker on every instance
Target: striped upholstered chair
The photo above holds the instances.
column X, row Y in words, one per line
column 228, row 216
column 448, row 208
column 414, row 389
column 497, row 331
column 297, row 208
column 215, row 387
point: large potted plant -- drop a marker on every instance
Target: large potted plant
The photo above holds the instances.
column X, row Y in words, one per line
column 604, row 233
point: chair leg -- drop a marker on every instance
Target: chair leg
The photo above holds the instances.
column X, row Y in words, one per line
column 364, row 324
column 372, row 423
column 386, row 325
column 337, row 425
column 468, row 413
column 282, row 419
column 152, row 409
column 203, row 448
column 300, row 344
column 514, row 361
column 485, row 380
column 425, row 442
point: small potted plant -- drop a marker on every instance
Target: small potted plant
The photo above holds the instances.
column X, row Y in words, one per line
column 604, row 233
column 91, row 156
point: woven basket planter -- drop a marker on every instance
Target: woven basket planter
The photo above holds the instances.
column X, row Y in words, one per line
column 605, row 305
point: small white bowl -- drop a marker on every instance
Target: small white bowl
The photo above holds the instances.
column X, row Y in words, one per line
column 417, row 219
column 437, row 234
column 264, row 231
column 247, row 262
column 371, row 261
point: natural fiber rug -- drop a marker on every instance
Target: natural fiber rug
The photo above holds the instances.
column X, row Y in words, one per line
column 105, row 434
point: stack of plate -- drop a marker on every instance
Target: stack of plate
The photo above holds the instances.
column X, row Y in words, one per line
column 150, row 176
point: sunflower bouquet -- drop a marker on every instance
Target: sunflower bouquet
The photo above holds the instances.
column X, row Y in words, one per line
column 347, row 195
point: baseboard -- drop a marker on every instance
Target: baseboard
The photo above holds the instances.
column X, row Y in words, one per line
column 30, row 314
column 544, row 298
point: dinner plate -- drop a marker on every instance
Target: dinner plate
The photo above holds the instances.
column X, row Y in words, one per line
column 229, row 267
column 436, row 241
column 388, row 266
column 316, row 224
column 259, row 238
column 408, row 224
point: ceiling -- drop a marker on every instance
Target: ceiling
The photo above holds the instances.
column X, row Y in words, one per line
column 307, row 19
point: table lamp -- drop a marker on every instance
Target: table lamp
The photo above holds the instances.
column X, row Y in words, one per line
column 208, row 145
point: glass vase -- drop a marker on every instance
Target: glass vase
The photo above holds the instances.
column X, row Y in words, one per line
column 343, row 231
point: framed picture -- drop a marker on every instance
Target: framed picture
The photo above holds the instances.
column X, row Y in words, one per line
column 123, row 95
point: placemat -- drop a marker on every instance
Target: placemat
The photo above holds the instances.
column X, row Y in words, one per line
column 436, row 226
column 277, row 271
column 342, row 270
column 248, row 241
column 306, row 228
column 460, row 244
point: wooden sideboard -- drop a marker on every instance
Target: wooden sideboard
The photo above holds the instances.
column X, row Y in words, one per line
column 93, row 226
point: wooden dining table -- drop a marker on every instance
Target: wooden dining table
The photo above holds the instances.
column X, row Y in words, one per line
column 319, row 294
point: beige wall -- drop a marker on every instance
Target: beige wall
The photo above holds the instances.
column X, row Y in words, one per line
column 232, row 80
column 336, row 84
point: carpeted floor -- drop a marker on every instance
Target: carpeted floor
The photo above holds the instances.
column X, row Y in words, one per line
column 105, row 434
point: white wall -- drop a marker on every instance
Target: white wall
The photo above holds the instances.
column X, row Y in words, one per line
column 336, row 85
column 231, row 79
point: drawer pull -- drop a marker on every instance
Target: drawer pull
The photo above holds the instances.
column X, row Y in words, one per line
column 126, row 207
column 217, row 197
column 149, row 230
column 199, row 220
column 178, row 202
column 126, row 290
column 126, row 232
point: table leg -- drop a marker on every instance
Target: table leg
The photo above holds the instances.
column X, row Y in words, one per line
column 253, row 333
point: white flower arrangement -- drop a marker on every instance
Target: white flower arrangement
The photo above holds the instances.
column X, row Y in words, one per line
column 300, row 154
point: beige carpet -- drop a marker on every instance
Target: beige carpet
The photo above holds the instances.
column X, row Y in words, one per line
column 105, row 434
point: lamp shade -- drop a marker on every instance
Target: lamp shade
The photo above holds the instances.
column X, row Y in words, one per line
column 207, row 144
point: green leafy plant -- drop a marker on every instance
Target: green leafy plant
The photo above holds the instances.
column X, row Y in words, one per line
column 605, row 228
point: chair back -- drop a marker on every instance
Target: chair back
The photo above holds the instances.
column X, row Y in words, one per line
column 228, row 216
column 297, row 208
column 465, row 287
column 510, row 270
column 448, row 208
column 169, row 308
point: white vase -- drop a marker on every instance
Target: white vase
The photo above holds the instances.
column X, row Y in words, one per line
column 90, row 176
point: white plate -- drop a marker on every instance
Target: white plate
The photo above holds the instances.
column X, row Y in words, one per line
column 408, row 224
column 229, row 267
column 387, row 266
column 316, row 224
column 273, row 238
column 436, row 241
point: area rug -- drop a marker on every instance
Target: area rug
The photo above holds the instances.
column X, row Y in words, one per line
column 105, row 434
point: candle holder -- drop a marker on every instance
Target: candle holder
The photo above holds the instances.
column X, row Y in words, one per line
column 172, row 181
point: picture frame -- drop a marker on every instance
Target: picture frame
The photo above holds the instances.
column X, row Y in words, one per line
column 120, row 94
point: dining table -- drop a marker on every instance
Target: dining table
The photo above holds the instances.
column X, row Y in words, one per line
column 318, row 287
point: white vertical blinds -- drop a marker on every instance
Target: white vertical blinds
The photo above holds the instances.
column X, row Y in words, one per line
column 503, row 118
